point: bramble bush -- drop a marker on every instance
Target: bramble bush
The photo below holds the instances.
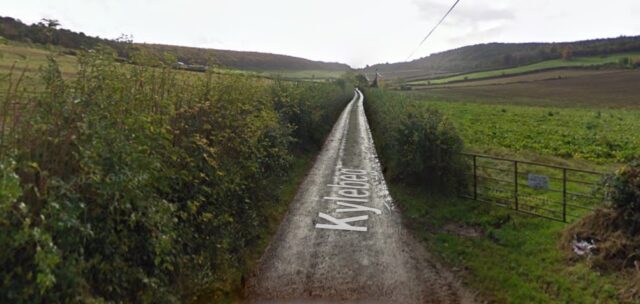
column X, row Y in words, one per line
column 417, row 144
column 129, row 183
column 624, row 192
column 614, row 229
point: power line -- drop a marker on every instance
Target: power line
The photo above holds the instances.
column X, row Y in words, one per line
column 433, row 29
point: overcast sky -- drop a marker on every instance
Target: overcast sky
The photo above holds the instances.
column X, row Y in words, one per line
column 356, row 32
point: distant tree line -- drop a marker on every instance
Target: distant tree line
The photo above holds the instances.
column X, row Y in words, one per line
column 48, row 31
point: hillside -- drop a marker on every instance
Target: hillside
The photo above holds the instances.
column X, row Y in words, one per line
column 50, row 33
column 492, row 56
column 619, row 60
column 610, row 88
column 242, row 60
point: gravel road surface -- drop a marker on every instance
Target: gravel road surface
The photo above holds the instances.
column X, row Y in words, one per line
column 342, row 239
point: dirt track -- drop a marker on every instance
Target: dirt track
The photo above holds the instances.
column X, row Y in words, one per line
column 343, row 240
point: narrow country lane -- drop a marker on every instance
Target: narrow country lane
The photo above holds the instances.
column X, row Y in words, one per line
column 342, row 239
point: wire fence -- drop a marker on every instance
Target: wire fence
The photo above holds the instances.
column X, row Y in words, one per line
column 552, row 192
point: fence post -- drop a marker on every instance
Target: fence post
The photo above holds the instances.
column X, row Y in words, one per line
column 564, row 195
column 475, row 179
column 515, row 180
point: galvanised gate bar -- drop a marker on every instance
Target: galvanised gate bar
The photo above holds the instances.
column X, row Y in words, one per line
column 553, row 192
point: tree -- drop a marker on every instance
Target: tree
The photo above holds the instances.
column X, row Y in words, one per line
column 507, row 59
column 361, row 81
column 50, row 23
column 50, row 26
column 567, row 53
column 624, row 61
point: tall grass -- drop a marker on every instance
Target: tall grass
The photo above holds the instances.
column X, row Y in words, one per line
column 138, row 184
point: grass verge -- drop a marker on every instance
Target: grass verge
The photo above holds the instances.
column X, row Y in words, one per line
column 506, row 257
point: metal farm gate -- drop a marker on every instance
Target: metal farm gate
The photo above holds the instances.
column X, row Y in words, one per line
column 553, row 192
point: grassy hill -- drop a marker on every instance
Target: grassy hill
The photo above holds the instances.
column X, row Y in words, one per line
column 42, row 33
column 579, row 62
column 493, row 56
column 253, row 61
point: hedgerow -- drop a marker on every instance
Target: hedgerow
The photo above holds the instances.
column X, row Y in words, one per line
column 136, row 184
column 417, row 144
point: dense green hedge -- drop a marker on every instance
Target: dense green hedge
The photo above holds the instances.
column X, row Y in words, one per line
column 624, row 192
column 138, row 184
column 417, row 144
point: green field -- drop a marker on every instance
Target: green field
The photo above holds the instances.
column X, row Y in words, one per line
column 18, row 59
column 598, row 135
column 563, row 134
column 549, row 64
column 311, row 75
column 586, row 117
column 32, row 57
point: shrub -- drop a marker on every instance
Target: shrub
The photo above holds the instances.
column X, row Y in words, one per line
column 428, row 148
column 417, row 144
column 624, row 192
column 624, row 61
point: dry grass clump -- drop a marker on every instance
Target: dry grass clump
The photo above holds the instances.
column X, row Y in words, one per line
column 616, row 247
column 615, row 231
